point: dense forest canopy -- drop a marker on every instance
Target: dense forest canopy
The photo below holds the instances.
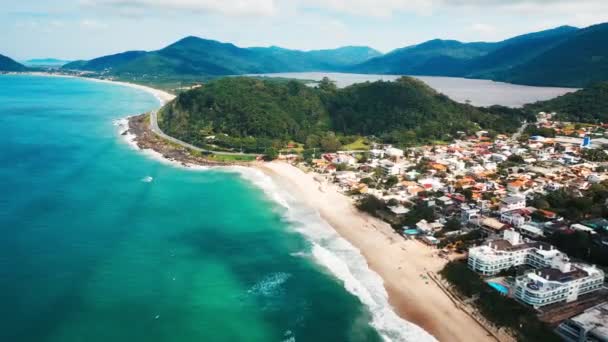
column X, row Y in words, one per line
column 404, row 112
column 586, row 105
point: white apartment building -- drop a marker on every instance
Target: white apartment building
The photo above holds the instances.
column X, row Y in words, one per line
column 514, row 218
column 499, row 255
column 560, row 282
column 555, row 278
column 389, row 168
column 512, row 203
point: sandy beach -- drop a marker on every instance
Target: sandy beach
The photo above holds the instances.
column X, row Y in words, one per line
column 162, row 96
column 402, row 264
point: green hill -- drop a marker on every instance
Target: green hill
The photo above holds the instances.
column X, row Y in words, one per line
column 477, row 60
column 253, row 114
column 423, row 58
column 516, row 51
column 193, row 56
column 586, row 105
column 577, row 61
column 7, row 64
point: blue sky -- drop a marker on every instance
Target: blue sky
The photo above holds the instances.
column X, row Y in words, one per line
column 82, row 29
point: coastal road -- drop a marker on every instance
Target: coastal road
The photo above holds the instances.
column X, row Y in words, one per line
column 154, row 127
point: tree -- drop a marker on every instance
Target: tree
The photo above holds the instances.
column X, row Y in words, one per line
column 391, row 181
column 371, row 204
column 330, row 143
column 452, row 225
column 271, row 154
column 468, row 194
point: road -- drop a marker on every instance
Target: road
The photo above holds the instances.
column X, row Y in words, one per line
column 519, row 132
column 154, row 127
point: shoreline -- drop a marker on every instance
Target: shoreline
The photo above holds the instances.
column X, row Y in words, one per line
column 402, row 265
column 162, row 96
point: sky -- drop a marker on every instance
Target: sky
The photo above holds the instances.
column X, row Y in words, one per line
column 84, row 29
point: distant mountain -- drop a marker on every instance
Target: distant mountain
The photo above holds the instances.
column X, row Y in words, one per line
column 7, row 64
column 435, row 57
column 563, row 56
column 49, row 62
column 579, row 60
column 516, row 51
column 453, row 58
column 586, row 105
column 202, row 57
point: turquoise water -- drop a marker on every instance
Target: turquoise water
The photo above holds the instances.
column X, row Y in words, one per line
column 90, row 252
column 499, row 287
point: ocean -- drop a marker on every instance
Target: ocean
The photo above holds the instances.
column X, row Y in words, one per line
column 102, row 242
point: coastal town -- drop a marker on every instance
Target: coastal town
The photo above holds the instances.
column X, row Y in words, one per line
column 523, row 213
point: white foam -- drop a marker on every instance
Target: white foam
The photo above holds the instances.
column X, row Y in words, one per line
column 330, row 250
column 342, row 259
column 130, row 139
column 270, row 285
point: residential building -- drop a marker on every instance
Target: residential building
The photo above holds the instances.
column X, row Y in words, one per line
column 510, row 251
column 562, row 281
column 512, row 203
column 591, row 325
column 389, row 168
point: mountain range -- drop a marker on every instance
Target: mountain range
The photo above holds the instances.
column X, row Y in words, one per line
column 8, row 64
column 564, row 56
column 203, row 57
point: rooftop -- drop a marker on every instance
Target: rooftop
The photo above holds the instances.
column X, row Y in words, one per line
column 594, row 320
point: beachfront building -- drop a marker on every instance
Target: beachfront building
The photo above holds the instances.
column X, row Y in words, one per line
column 562, row 281
column 591, row 325
column 510, row 251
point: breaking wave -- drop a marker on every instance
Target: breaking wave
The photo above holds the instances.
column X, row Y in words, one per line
column 343, row 260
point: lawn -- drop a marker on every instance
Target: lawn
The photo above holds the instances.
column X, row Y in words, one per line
column 359, row 144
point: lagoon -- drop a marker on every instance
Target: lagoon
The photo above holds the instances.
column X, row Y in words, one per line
column 477, row 92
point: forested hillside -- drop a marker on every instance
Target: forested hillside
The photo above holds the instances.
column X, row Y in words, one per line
column 253, row 114
column 7, row 64
column 586, row 105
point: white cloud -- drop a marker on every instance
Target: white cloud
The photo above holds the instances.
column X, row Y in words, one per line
column 91, row 24
column 224, row 7
column 483, row 29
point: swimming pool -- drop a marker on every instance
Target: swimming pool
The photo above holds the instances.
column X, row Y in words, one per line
column 500, row 288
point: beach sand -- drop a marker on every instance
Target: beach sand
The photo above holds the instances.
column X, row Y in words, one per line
column 402, row 264
column 162, row 96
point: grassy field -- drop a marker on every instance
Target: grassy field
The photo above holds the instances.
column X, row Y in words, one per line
column 359, row 144
column 227, row 158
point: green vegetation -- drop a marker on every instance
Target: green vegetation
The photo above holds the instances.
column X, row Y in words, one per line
column 586, row 105
column 581, row 245
column 196, row 57
column 578, row 61
column 575, row 205
column 360, row 144
column 498, row 309
column 7, row 64
column 371, row 205
column 252, row 115
column 229, row 158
